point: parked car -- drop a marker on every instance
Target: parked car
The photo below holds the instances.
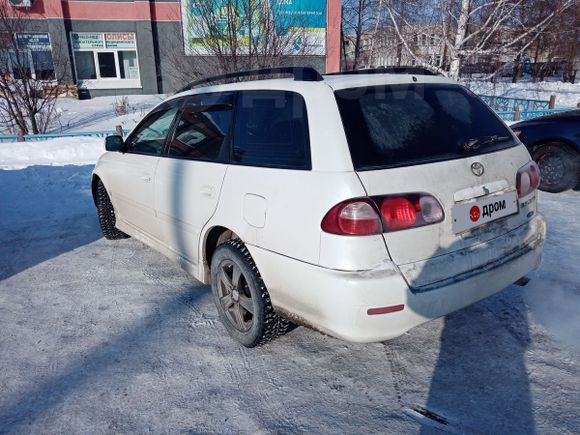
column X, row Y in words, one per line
column 358, row 204
column 554, row 143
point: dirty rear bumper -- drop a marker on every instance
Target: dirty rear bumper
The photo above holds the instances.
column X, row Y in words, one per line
column 436, row 272
column 337, row 302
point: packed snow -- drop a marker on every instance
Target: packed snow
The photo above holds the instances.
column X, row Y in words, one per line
column 62, row 151
column 99, row 114
column 109, row 336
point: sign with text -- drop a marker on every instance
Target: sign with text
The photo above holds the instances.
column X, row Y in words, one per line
column 91, row 41
column 120, row 40
column 33, row 41
column 84, row 41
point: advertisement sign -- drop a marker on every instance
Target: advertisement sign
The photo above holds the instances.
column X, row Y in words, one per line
column 91, row 41
column 33, row 41
column 82, row 41
column 120, row 40
column 302, row 22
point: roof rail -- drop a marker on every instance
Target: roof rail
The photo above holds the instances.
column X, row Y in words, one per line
column 304, row 74
column 390, row 70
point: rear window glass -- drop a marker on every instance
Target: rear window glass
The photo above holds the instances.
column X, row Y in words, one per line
column 401, row 125
column 271, row 130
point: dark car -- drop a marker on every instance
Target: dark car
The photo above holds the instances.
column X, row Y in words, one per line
column 554, row 143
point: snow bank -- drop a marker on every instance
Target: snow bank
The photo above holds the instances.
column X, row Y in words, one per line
column 567, row 94
column 54, row 152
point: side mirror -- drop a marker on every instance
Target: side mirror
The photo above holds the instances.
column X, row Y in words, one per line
column 114, row 143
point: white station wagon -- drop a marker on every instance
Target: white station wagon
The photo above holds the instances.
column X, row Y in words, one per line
column 359, row 204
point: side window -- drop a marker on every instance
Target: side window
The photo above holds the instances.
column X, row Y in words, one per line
column 150, row 136
column 202, row 128
column 271, row 130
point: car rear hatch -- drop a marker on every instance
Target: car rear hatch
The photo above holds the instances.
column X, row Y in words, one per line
column 440, row 140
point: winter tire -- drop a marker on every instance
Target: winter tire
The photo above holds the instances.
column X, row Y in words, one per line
column 241, row 298
column 559, row 167
column 106, row 213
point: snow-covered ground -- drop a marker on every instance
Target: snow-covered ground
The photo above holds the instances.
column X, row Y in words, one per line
column 567, row 94
column 99, row 113
column 104, row 336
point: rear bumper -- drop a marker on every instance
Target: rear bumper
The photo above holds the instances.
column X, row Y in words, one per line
column 336, row 302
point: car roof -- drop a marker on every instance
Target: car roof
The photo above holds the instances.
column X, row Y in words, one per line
column 334, row 81
column 560, row 116
column 340, row 81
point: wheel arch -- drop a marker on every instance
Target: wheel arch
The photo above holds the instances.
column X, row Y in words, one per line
column 554, row 140
column 212, row 238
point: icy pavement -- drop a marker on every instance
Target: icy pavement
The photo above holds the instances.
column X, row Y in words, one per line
column 102, row 337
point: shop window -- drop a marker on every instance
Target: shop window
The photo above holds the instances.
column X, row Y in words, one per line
column 34, row 58
column 107, row 57
column 43, row 65
column 85, row 64
column 107, row 68
column 128, row 65
column 20, row 64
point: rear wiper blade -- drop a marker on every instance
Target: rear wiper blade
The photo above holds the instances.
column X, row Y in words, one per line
column 475, row 143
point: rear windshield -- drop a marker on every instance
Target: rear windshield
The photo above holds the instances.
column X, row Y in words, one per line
column 401, row 125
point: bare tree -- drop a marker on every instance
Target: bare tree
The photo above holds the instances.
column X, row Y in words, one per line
column 471, row 29
column 558, row 47
column 28, row 79
column 359, row 18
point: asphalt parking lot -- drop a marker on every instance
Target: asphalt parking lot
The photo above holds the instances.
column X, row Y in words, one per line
column 108, row 336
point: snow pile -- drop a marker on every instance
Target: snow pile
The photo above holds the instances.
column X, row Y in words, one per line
column 58, row 152
column 567, row 94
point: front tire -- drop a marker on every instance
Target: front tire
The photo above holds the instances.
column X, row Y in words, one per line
column 559, row 167
column 106, row 214
column 241, row 298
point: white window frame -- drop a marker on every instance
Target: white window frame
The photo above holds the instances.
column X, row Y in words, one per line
column 107, row 82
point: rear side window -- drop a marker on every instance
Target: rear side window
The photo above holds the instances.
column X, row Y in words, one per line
column 402, row 125
column 202, row 128
column 271, row 130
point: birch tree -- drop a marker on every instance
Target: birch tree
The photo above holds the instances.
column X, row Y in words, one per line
column 472, row 28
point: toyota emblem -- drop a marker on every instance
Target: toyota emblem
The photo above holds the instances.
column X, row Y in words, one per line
column 477, row 169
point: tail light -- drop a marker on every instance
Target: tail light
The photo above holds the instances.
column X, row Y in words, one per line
column 527, row 179
column 356, row 217
column 409, row 211
column 365, row 216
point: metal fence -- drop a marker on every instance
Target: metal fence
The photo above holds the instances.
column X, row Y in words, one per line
column 504, row 104
column 37, row 137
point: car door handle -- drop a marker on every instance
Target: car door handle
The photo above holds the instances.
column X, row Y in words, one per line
column 146, row 179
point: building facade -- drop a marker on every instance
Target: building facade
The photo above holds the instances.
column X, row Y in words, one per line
column 109, row 47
